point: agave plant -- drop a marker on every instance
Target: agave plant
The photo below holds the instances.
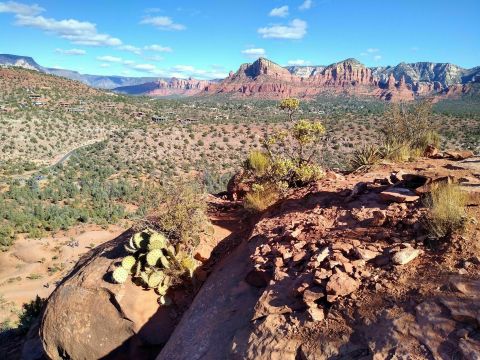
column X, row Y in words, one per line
column 154, row 262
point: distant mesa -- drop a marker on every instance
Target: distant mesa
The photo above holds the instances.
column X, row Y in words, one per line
column 269, row 80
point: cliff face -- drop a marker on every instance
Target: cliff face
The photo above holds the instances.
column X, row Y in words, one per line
column 266, row 79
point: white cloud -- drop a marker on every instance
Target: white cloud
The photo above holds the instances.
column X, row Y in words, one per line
column 296, row 29
column 158, row 48
column 254, row 52
column 144, row 67
column 377, row 57
column 280, row 11
column 111, row 59
column 78, row 32
column 307, row 4
column 71, row 51
column 20, row 9
column 104, row 65
column 372, row 50
column 162, row 23
column 153, row 58
column 298, row 62
column 131, row 48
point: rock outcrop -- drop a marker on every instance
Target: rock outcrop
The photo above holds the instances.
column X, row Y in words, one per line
column 90, row 317
column 337, row 271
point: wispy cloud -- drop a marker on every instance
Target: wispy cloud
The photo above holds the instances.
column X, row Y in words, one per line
column 296, row 29
column 111, row 59
column 298, row 62
column 20, row 9
column 71, row 51
column 253, row 53
column 158, row 48
column 162, row 23
column 78, row 32
column 372, row 53
column 307, row 4
column 131, row 48
column 280, row 11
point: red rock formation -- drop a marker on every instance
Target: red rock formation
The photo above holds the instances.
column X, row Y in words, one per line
column 265, row 79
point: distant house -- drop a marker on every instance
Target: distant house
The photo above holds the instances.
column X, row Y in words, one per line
column 138, row 114
column 76, row 109
column 34, row 96
column 158, row 119
column 189, row 121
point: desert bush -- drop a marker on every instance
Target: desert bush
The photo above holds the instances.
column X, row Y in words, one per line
column 288, row 160
column 289, row 105
column 181, row 215
column 7, row 236
column 410, row 125
column 446, row 210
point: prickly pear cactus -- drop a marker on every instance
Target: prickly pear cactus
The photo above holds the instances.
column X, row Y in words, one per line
column 154, row 262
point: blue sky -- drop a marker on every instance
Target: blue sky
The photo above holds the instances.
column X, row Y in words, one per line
column 206, row 39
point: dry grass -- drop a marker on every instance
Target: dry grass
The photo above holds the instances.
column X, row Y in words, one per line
column 261, row 197
column 447, row 210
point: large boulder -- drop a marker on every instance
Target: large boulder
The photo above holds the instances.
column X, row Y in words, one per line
column 88, row 316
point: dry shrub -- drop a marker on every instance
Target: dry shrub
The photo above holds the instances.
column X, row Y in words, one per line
column 181, row 215
column 261, row 197
column 447, row 210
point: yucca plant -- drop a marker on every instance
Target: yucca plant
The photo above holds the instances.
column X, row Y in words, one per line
column 365, row 156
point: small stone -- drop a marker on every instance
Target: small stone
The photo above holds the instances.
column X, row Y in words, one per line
column 316, row 313
column 364, row 254
column 278, row 262
column 348, row 267
column 323, row 254
column 340, row 285
column 299, row 256
column 463, row 271
column 404, row 256
column 312, row 294
column 379, row 218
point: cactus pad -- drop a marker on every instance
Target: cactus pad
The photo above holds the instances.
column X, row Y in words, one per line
column 153, row 256
column 128, row 262
column 120, row 275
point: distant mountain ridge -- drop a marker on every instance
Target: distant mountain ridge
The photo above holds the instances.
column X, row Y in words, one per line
column 97, row 81
column 267, row 79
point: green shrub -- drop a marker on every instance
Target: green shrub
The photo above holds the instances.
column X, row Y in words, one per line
column 7, row 237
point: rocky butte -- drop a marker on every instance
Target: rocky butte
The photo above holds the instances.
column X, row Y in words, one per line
column 266, row 79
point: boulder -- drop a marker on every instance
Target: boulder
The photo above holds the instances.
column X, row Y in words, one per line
column 90, row 317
